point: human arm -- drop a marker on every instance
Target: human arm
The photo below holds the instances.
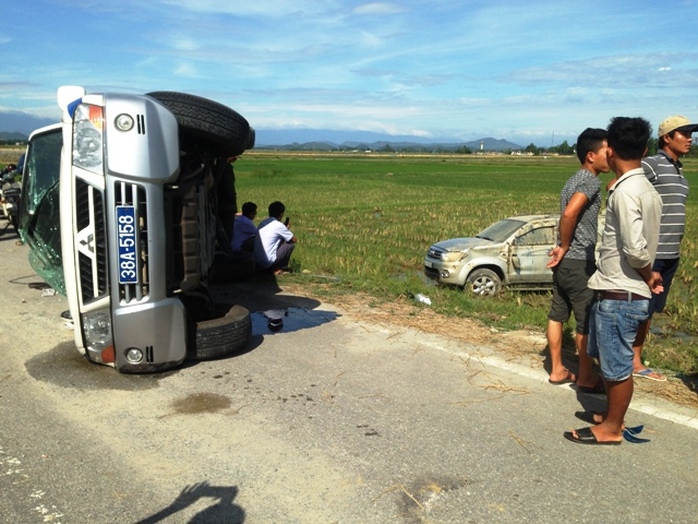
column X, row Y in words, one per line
column 285, row 233
column 568, row 223
column 639, row 227
column 653, row 279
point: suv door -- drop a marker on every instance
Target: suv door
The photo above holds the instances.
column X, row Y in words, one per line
column 529, row 256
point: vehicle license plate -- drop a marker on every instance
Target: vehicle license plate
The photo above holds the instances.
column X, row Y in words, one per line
column 428, row 264
column 126, row 239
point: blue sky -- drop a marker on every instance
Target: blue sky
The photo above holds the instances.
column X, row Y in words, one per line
column 521, row 71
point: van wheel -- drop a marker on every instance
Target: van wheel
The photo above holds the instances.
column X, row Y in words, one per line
column 205, row 119
column 484, row 282
column 221, row 336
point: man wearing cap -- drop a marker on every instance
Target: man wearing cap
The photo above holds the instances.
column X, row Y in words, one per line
column 664, row 171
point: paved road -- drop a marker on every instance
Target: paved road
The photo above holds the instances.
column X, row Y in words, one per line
column 330, row 420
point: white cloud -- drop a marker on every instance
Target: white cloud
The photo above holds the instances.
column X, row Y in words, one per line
column 378, row 8
column 263, row 8
column 186, row 70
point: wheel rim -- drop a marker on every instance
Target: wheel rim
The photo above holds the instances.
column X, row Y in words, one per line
column 483, row 286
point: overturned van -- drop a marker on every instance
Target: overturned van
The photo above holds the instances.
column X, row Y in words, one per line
column 124, row 211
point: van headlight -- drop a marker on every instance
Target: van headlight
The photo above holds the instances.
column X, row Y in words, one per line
column 96, row 326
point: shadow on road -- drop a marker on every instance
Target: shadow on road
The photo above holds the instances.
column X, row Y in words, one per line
column 223, row 510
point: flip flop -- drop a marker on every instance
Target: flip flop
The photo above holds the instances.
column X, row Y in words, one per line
column 569, row 378
column 586, row 436
column 648, row 374
column 629, row 434
column 587, row 416
column 636, row 430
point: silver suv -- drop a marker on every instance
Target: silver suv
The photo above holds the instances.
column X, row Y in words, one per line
column 126, row 201
column 511, row 252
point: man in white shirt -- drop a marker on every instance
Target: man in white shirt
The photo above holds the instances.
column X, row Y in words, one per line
column 274, row 242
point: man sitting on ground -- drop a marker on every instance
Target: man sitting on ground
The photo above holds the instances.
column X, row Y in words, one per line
column 244, row 229
column 274, row 242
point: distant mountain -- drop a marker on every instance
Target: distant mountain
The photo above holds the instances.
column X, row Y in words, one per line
column 272, row 137
column 322, row 140
column 19, row 122
column 19, row 137
column 492, row 144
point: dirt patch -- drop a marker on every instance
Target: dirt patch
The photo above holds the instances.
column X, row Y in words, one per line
column 525, row 347
column 197, row 403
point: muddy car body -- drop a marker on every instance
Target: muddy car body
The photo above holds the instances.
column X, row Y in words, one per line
column 511, row 252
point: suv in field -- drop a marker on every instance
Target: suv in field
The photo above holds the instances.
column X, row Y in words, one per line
column 125, row 204
column 511, row 252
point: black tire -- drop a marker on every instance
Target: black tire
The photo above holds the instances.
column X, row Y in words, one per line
column 205, row 119
column 484, row 282
column 251, row 137
column 218, row 337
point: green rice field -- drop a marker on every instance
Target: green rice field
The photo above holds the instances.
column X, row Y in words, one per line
column 365, row 221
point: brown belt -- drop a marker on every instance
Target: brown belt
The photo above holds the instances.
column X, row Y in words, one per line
column 620, row 295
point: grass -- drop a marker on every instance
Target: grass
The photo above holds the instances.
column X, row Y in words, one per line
column 367, row 221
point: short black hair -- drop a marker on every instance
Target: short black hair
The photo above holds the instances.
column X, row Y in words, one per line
column 591, row 139
column 249, row 208
column 628, row 137
column 276, row 209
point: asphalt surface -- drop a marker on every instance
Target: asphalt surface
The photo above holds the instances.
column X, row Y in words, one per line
column 329, row 420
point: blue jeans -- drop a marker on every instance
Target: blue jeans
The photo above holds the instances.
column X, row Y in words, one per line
column 612, row 328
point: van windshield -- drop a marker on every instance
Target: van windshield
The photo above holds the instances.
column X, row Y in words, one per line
column 40, row 216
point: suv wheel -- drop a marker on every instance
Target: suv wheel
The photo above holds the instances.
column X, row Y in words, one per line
column 218, row 337
column 210, row 121
column 484, row 282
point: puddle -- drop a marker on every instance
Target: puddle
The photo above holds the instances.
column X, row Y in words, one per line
column 290, row 319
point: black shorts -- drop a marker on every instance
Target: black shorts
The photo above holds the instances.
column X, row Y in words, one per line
column 666, row 268
column 571, row 293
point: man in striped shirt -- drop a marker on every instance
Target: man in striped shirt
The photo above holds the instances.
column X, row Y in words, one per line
column 664, row 171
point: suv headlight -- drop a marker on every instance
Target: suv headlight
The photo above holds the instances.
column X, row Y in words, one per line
column 88, row 134
column 452, row 256
column 97, row 329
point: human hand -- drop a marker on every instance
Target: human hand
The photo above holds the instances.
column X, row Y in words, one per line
column 556, row 255
column 655, row 283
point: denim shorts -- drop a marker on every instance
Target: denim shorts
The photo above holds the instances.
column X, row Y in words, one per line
column 612, row 328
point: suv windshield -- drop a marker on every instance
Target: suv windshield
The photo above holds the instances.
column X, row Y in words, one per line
column 40, row 216
column 500, row 231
